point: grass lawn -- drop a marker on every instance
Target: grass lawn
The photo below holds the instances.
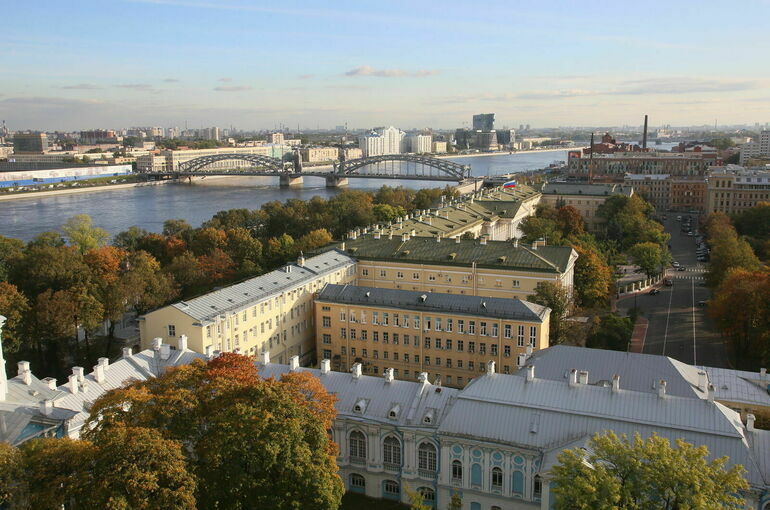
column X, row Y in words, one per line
column 352, row 501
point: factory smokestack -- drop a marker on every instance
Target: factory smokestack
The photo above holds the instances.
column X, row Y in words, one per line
column 644, row 136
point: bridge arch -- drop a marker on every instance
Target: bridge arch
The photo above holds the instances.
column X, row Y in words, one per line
column 452, row 170
column 199, row 164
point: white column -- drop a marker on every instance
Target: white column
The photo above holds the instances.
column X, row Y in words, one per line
column 3, row 377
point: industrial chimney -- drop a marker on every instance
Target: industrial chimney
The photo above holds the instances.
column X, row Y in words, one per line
column 644, row 136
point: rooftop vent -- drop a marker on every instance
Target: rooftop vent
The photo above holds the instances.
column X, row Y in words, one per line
column 423, row 298
column 428, row 418
column 394, row 411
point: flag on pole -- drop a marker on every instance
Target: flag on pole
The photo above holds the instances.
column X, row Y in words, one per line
column 509, row 184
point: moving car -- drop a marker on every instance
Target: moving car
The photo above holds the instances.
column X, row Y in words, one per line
column 702, row 303
column 681, row 268
column 675, row 264
column 668, row 283
column 654, row 292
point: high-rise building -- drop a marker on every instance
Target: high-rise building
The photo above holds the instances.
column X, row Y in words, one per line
column 420, row 144
column 382, row 141
column 484, row 122
column 759, row 148
column 275, row 138
column 30, row 142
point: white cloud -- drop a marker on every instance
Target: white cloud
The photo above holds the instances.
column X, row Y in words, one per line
column 234, row 88
column 390, row 73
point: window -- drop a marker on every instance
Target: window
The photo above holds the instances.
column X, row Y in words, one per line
column 364, row 334
column 438, row 343
column 494, row 330
column 448, row 344
column 507, row 331
column 395, row 319
column 208, row 331
column 357, row 445
column 415, row 276
column 432, row 277
column 506, row 351
column 460, row 326
column 493, row 349
column 364, row 353
column 457, row 471
column 352, row 333
column 459, row 364
column 449, row 362
column 391, row 451
column 471, row 346
column 342, row 315
column 427, row 361
column 365, row 272
column 532, row 335
column 327, row 339
column 460, row 345
column 437, row 323
column 391, row 489
column 357, row 483
column 375, row 336
column 483, row 328
column 343, row 333
column 520, row 338
column 399, row 274
column 375, row 318
column 427, row 342
column 537, row 490
column 416, row 322
column 384, row 319
column 449, row 325
column 383, row 273
column 470, row 364
column 497, row 478
column 426, row 457
column 326, row 321
column 516, row 284
column 405, row 321
column 395, row 338
column 471, row 327
column 438, row 362
column 171, row 330
column 482, row 348
column 327, row 354
column 428, row 495
column 385, row 337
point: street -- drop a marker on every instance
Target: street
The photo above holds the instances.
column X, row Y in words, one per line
column 678, row 326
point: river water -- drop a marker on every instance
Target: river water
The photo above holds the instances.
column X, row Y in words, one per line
column 148, row 207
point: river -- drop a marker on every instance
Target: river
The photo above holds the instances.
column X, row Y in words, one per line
column 148, row 207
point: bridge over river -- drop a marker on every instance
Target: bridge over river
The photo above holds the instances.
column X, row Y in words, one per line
column 291, row 173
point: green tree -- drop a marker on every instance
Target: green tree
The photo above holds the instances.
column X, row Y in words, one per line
column 593, row 277
column 176, row 227
column 280, row 250
column 147, row 287
column 728, row 251
column 11, row 474
column 386, row 213
column 129, row 239
column 82, row 233
column 534, row 228
column 613, row 332
column 617, row 473
column 187, row 272
column 558, row 299
column 14, row 306
column 249, row 442
column 650, row 257
column 11, row 250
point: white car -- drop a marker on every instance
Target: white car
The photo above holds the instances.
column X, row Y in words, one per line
column 675, row 264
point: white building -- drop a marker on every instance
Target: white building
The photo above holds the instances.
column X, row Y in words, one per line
column 420, row 144
column 381, row 142
column 759, row 148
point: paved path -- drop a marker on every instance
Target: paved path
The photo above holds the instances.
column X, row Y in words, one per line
column 639, row 334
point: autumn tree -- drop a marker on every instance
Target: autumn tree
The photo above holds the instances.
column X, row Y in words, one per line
column 385, row 213
column 82, row 233
column 11, row 250
column 558, row 299
column 11, row 472
column 314, row 240
column 569, row 221
column 535, row 227
column 280, row 250
column 147, row 287
column 615, row 472
column 14, row 306
column 187, row 272
column 249, row 442
column 728, row 251
column 593, row 277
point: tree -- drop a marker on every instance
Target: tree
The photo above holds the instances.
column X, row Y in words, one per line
column 570, row 221
column 187, row 272
column 385, row 213
column 280, row 250
column 535, row 228
column 11, row 250
column 558, row 299
column 613, row 332
column 740, row 308
column 728, row 251
column 14, row 306
column 82, row 233
column 11, row 473
column 217, row 267
column 593, row 277
column 176, row 227
column 314, row 240
column 650, row 257
column 617, row 473
column 250, row 442
column 206, row 240
column 147, row 287
column 129, row 239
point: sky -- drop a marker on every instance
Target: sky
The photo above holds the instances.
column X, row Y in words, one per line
column 416, row 63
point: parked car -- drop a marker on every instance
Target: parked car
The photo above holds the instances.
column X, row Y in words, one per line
column 702, row 303
column 654, row 292
column 702, row 259
column 689, row 234
column 675, row 264
column 668, row 283
column 678, row 218
column 681, row 268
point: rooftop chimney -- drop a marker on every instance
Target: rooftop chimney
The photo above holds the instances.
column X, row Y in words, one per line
column 301, row 260
column 99, row 374
column 182, row 343
column 529, row 350
column 457, row 240
column 644, row 135
column 702, row 380
column 266, row 358
column 80, row 373
column 515, row 242
column 127, row 352
column 165, row 351
column 208, row 351
column 156, row 343
column 356, row 370
column 73, row 383
column 662, row 388
column 583, row 376
column 377, row 235
column 104, row 362
column 46, row 407
column 423, row 377
column 534, row 245
column 325, row 366
column 490, row 367
column 750, row 422
column 711, row 393
column 50, row 382
column 388, row 375
column 615, row 383
column 24, row 372
column 483, row 241
column 294, row 363
column 762, row 373
column 530, row 373
column 573, row 377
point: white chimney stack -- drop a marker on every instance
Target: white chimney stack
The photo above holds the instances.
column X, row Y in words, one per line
column 457, row 240
column 104, row 362
column 483, row 241
column 750, row 422
column 182, row 343
column 490, row 367
column 530, row 373
column 762, row 373
column 294, row 363
column 534, row 245
column 573, row 377
column 266, row 358
column 615, row 383
column 661, row 388
column 325, row 366
column 127, row 352
column 24, row 372
column 515, row 242
column 73, row 383
column 529, row 350
column 711, row 393
column 356, row 370
column 50, row 383
column 165, row 351
column 46, row 407
column 156, row 343
column 702, row 380
column 423, row 377
column 80, row 373
column 99, row 374
column 583, row 377
column 389, row 375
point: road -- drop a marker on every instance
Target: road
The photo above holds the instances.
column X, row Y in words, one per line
column 678, row 326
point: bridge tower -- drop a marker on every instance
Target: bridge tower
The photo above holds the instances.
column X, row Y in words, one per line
column 334, row 180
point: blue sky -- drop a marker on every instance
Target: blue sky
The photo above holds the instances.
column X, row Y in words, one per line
column 252, row 64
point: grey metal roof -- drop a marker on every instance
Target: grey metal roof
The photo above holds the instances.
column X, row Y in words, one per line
column 435, row 302
column 254, row 290
column 739, row 386
column 564, row 188
column 638, row 372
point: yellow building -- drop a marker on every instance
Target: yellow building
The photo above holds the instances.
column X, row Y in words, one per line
column 272, row 312
column 733, row 191
column 586, row 198
column 320, row 154
column 473, row 267
column 449, row 336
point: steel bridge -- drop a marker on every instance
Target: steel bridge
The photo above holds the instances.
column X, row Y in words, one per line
column 393, row 166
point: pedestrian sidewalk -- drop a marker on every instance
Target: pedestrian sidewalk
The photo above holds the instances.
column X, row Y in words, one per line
column 639, row 334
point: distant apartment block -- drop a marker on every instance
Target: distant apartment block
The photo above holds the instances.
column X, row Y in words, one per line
column 382, row 142
column 618, row 164
column 586, row 198
column 484, row 122
column 438, row 147
column 420, row 144
column 30, row 143
column 759, row 148
column 732, row 190
column 320, row 154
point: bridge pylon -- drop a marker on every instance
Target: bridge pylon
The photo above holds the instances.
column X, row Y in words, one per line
column 336, row 181
column 291, row 180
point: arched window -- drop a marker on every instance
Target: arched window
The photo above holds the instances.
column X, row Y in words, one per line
column 475, row 506
column 428, row 495
column 495, row 508
column 391, row 490
column 357, row 445
column 537, row 490
column 357, row 483
column 518, row 483
column 391, row 451
column 497, row 478
column 426, row 457
column 457, row 471
column 476, row 475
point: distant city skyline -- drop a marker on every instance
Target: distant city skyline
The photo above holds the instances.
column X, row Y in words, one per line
column 89, row 64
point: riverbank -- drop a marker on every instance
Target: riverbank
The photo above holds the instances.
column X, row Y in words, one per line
column 501, row 153
column 71, row 191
